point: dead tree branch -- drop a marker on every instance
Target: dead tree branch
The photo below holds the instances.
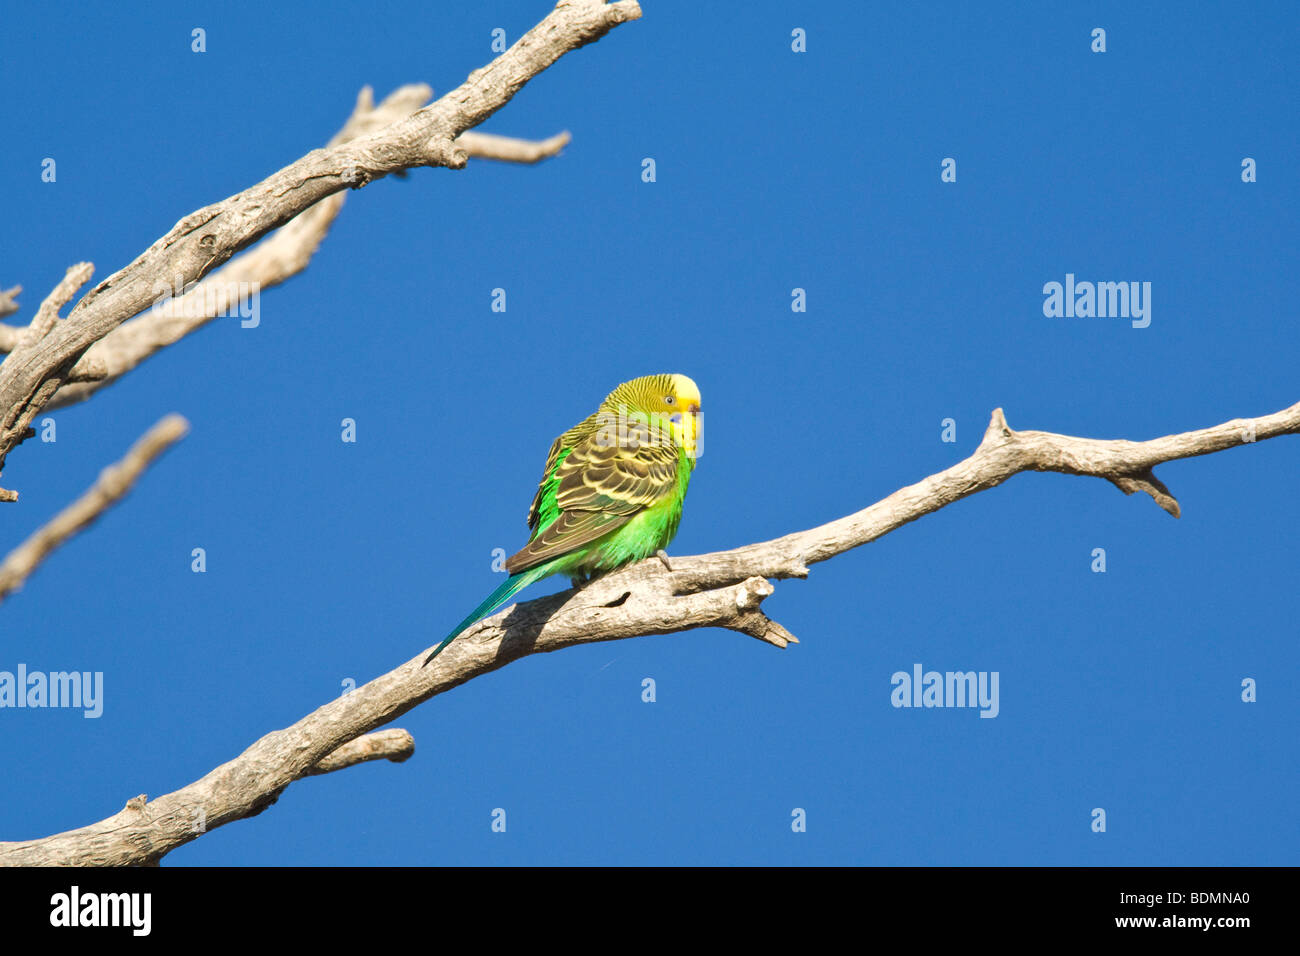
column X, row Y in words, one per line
column 26, row 353
column 282, row 255
column 725, row 589
column 209, row 237
column 112, row 486
column 393, row 744
column 7, row 307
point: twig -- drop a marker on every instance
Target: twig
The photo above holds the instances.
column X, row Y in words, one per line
column 7, row 307
column 393, row 744
column 113, row 484
column 507, row 149
column 48, row 313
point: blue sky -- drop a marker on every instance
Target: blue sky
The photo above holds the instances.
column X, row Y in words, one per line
column 776, row 170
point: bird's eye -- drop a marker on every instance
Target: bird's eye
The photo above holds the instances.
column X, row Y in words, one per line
column 669, row 400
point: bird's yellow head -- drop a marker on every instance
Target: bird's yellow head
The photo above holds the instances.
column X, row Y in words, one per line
column 669, row 403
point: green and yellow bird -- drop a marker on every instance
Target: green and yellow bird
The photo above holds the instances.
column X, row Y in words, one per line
column 612, row 489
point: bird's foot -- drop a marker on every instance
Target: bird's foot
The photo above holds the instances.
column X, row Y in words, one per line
column 662, row 555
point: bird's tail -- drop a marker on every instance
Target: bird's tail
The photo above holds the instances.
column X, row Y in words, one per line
column 507, row 589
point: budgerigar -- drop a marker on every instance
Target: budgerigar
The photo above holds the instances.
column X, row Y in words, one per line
column 612, row 489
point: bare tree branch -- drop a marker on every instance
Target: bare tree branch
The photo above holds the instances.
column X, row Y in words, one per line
column 210, row 236
column 113, row 484
column 280, row 256
column 29, row 343
column 48, row 313
column 393, row 744
column 724, row 589
column 507, row 149
column 73, row 279
column 283, row 254
column 8, row 307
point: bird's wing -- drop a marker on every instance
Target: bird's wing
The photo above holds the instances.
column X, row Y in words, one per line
column 601, row 485
column 556, row 447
